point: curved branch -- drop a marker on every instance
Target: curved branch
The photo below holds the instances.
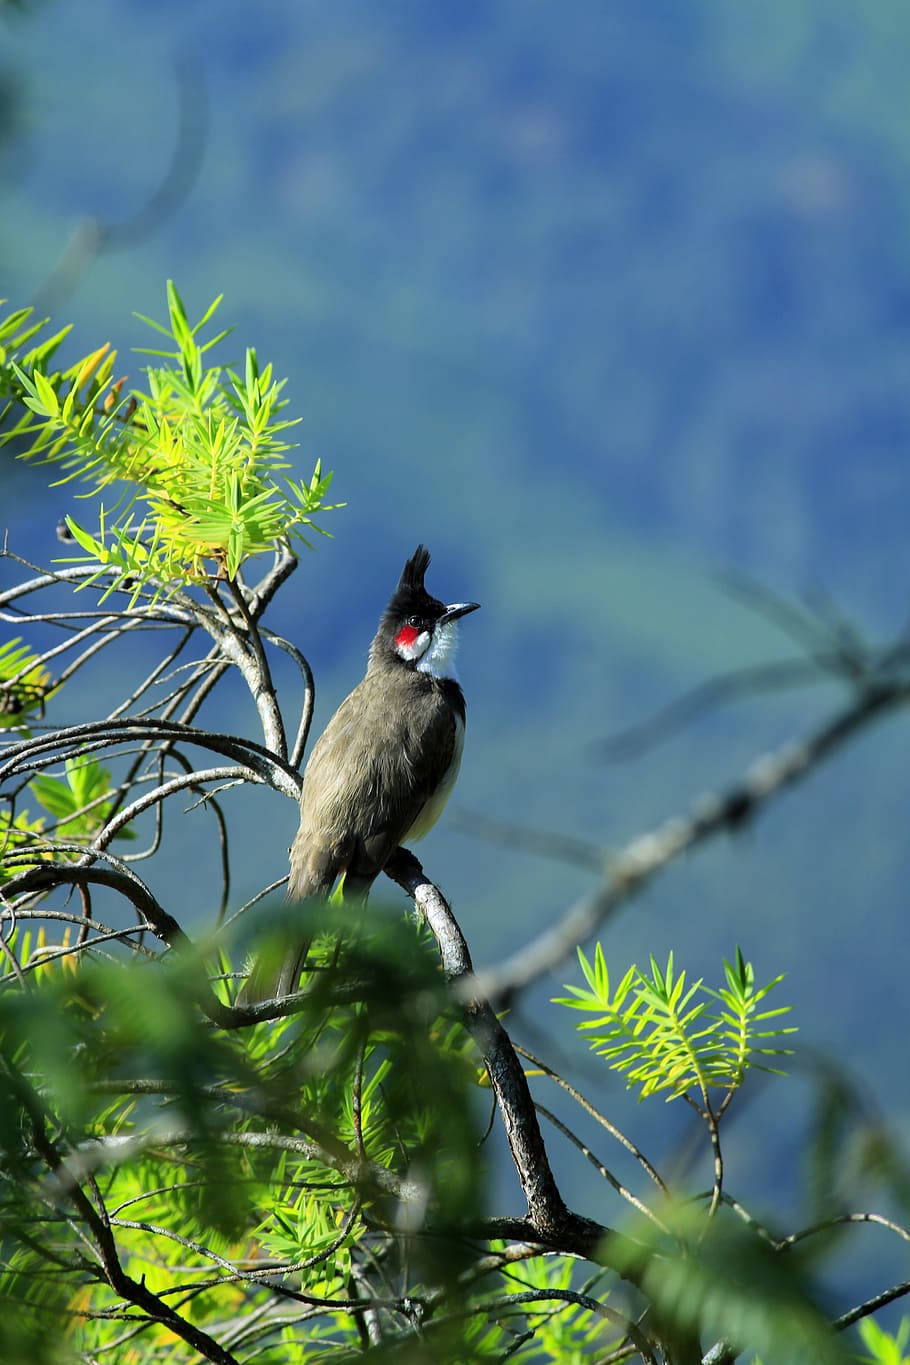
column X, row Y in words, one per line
column 49, row 875
column 596, row 1114
column 158, row 674
column 309, row 695
column 194, row 778
column 599, row 1166
column 863, row 1310
column 838, row 1220
column 286, row 562
column 499, row 1302
column 270, row 769
column 705, row 697
column 164, row 612
column 244, row 648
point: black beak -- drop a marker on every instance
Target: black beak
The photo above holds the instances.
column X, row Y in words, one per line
column 457, row 609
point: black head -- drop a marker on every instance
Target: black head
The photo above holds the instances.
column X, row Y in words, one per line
column 416, row 629
column 411, row 597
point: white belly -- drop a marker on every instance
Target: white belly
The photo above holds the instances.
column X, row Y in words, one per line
column 436, row 804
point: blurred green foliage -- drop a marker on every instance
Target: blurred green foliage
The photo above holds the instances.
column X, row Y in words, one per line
column 238, row 1159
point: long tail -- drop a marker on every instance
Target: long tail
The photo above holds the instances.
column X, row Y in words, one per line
column 271, row 976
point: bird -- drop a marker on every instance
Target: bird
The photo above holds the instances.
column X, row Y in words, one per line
column 381, row 772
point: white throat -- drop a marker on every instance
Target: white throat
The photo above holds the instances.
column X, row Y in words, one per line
column 438, row 659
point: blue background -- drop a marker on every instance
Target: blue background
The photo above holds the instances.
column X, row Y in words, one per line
column 597, row 301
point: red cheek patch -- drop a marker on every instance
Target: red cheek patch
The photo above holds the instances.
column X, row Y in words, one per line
column 406, row 636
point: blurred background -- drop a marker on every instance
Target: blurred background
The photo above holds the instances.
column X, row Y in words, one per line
column 603, row 303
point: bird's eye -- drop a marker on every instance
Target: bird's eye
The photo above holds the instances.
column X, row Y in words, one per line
column 413, row 621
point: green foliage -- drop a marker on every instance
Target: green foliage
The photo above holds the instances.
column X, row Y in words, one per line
column 197, row 455
column 24, row 684
column 559, row 1330
column 665, row 1037
column 17, row 329
column 883, row 1348
column 79, row 804
column 19, row 834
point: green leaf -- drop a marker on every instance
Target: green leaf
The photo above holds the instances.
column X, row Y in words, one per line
column 80, row 804
column 48, row 403
column 885, row 1349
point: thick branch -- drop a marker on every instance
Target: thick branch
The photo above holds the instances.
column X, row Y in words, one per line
column 548, row 1221
column 244, row 648
column 48, row 875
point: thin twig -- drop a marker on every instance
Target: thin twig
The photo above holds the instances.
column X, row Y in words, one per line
column 597, row 1115
column 641, row 861
column 599, row 1166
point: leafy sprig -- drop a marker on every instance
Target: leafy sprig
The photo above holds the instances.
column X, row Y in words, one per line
column 197, row 456
column 667, row 1037
column 885, row 1348
column 17, row 329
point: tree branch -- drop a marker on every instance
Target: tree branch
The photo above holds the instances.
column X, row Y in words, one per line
column 548, row 1219
column 48, row 875
column 642, row 860
column 270, row 769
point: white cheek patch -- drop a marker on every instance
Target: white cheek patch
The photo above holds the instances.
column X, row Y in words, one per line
column 413, row 649
column 439, row 659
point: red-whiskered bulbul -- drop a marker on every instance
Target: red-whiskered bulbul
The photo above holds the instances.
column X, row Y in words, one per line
column 384, row 766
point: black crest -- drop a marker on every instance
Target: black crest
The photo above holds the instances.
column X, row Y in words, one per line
column 412, row 574
column 411, row 598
